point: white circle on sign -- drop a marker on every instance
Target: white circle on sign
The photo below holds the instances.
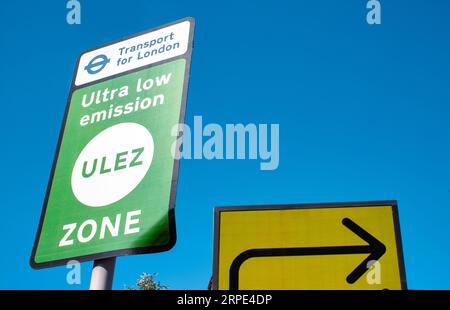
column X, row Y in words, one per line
column 112, row 164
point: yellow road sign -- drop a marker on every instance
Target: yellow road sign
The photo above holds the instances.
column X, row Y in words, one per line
column 311, row 246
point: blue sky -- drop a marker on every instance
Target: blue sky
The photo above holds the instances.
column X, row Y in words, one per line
column 363, row 113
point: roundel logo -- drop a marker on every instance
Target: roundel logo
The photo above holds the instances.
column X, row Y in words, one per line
column 97, row 64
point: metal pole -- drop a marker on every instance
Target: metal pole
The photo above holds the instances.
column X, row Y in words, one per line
column 103, row 274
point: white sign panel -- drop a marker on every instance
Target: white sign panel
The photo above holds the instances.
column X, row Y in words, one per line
column 136, row 52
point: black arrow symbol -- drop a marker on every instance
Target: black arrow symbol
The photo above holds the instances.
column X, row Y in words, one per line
column 374, row 248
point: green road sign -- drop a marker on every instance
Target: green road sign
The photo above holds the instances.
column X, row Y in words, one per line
column 112, row 187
